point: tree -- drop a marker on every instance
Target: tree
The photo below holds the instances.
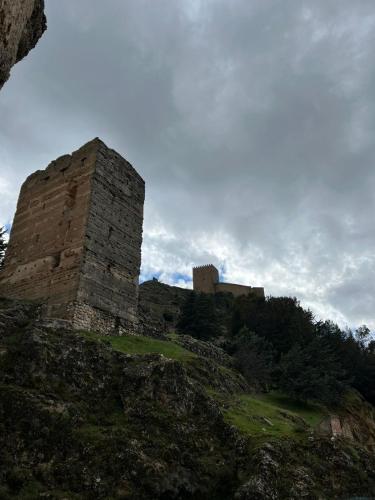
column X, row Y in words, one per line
column 362, row 334
column 3, row 246
column 198, row 317
column 371, row 347
column 254, row 357
column 186, row 319
column 312, row 372
column 356, row 354
column 281, row 320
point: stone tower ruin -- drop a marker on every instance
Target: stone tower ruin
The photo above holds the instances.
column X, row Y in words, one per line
column 75, row 244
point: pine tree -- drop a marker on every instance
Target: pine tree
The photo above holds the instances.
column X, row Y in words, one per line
column 206, row 323
column 186, row 322
column 254, row 357
column 312, row 372
column 198, row 317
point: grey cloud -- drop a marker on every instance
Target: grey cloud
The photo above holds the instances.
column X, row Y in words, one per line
column 251, row 122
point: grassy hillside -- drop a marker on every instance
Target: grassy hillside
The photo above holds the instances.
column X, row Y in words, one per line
column 272, row 415
column 256, row 415
column 131, row 344
column 83, row 416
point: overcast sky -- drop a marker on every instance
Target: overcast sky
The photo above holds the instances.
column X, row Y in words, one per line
column 252, row 123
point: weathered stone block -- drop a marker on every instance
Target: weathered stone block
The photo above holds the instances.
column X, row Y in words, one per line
column 76, row 240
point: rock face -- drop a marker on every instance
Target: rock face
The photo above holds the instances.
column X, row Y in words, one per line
column 22, row 23
column 80, row 420
column 322, row 469
column 205, row 349
column 356, row 422
column 160, row 305
column 76, row 240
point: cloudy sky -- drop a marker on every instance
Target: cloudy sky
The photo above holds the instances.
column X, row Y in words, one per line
column 252, row 124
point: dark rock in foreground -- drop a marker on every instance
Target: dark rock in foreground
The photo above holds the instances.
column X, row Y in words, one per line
column 81, row 420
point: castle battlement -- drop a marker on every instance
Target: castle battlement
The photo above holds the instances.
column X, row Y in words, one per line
column 205, row 266
column 206, row 280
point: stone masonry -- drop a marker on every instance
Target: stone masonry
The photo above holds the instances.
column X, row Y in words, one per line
column 75, row 243
column 206, row 279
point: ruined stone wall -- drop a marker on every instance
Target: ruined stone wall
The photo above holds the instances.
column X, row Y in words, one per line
column 22, row 23
column 46, row 243
column 205, row 278
column 112, row 261
column 75, row 243
column 238, row 290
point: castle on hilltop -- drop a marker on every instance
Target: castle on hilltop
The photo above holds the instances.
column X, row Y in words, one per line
column 75, row 243
column 206, row 279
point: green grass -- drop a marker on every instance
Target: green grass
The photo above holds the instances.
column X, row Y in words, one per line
column 271, row 415
column 134, row 344
column 173, row 335
column 257, row 415
column 311, row 413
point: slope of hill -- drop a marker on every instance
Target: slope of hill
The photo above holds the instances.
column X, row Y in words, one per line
column 83, row 416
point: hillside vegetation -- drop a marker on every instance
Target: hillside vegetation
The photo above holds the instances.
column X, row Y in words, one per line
column 278, row 344
column 82, row 416
column 256, row 414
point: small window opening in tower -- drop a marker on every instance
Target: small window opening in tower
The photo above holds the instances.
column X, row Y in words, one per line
column 57, row 260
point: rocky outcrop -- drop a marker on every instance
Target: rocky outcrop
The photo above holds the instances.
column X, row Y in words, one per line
column 22, row 23
column 81, row 420
column 160, row 306
column 319, row 469
column 204, row 349
column 355, row 420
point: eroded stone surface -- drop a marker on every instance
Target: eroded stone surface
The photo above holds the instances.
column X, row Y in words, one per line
column 22, row 23
column 160, row 306
column 75, row 243
column 349, row 426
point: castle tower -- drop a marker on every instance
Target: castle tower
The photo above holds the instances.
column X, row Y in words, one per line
column 205, row 278
column 75, row 243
